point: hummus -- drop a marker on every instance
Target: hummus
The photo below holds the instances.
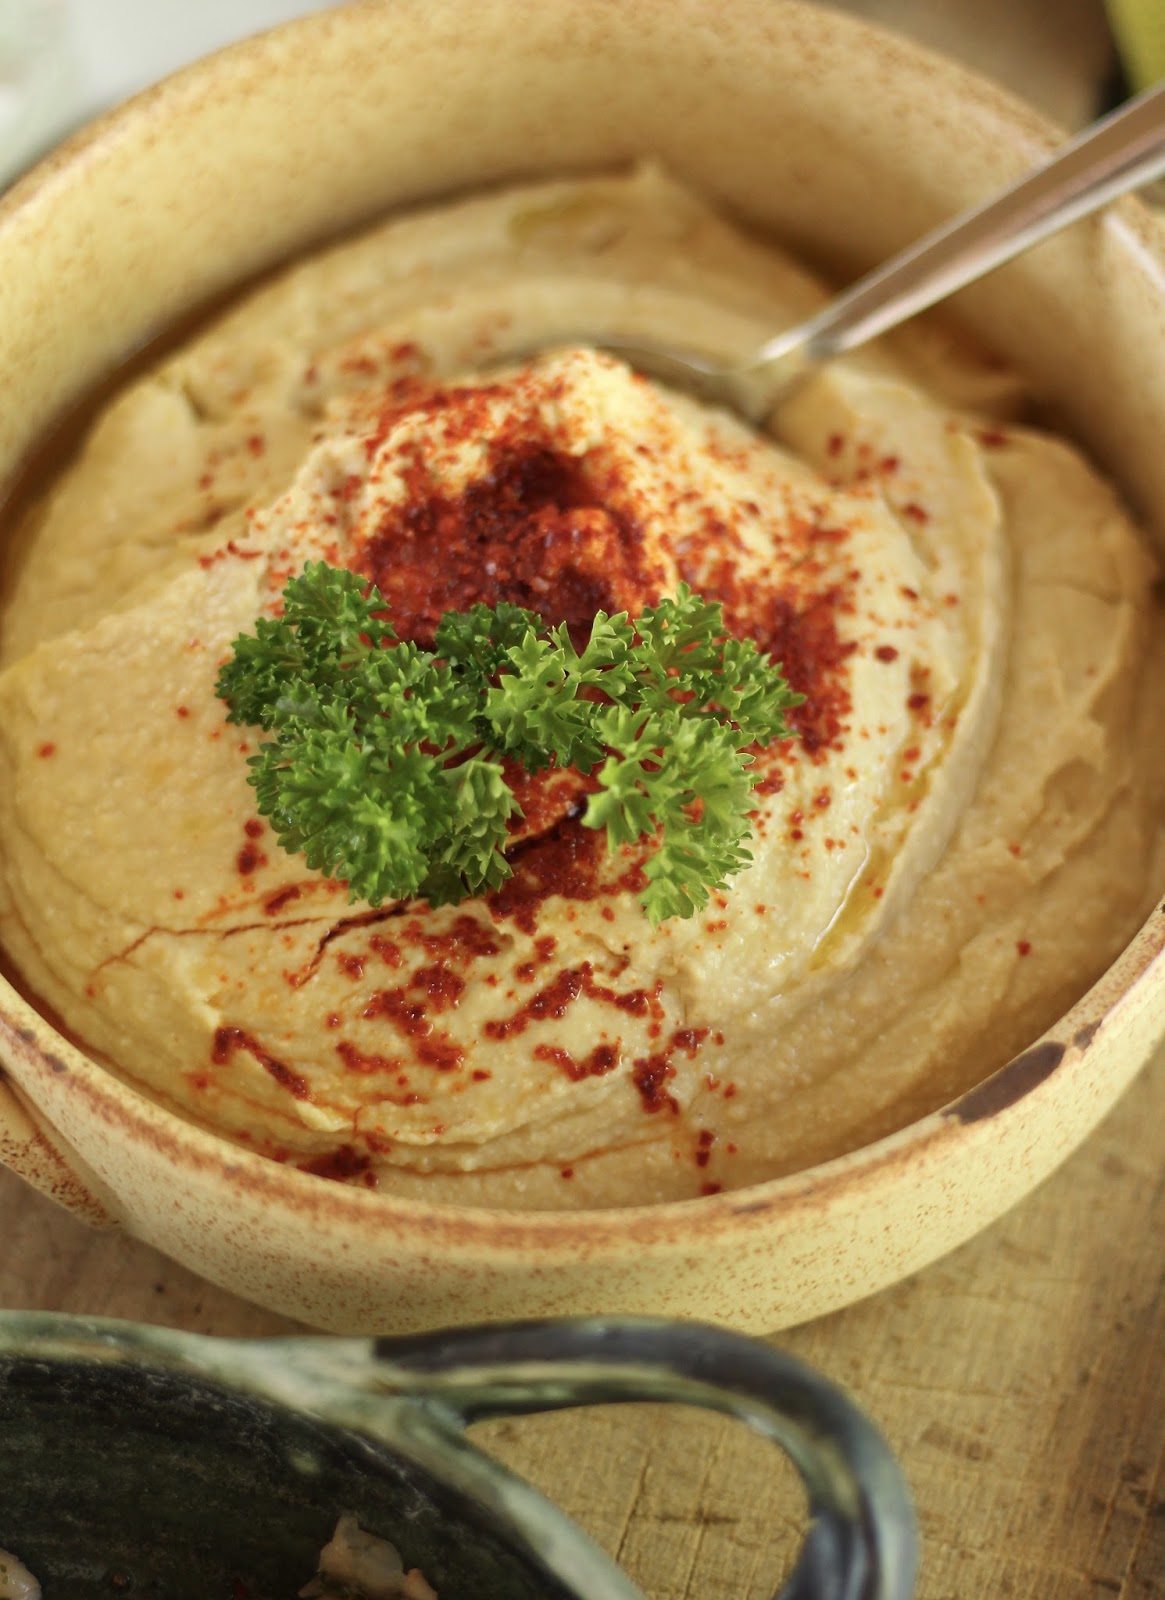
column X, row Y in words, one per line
column 961, row 834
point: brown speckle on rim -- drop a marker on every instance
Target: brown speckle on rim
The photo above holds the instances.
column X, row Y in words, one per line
column 1084, row 1036
column 1004, row 1088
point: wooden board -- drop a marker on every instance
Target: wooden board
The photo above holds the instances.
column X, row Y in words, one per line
column 1021, row 1381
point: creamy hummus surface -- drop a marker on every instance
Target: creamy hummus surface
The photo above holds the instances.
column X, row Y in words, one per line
column 962, row 832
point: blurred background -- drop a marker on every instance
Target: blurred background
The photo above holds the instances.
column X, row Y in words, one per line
column 62, row 61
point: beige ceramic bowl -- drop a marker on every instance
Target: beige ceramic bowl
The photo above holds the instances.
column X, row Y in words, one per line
column 839, row 138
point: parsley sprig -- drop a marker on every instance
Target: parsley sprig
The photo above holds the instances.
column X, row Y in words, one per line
column 385, row 763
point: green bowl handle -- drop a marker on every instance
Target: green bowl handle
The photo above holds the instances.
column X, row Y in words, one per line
column 861, row 1544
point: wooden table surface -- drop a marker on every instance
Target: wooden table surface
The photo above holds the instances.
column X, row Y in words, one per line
column 1021, row 1382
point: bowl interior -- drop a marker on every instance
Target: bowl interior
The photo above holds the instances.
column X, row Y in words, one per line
column 118, row 1480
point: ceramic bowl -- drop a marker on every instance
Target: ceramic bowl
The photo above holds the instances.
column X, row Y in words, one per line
column 136, row 1459
column 844, row 141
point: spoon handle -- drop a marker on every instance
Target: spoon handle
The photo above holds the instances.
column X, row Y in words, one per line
column 1118, row 153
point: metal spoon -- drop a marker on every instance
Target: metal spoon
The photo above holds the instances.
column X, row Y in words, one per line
column 1118, row 153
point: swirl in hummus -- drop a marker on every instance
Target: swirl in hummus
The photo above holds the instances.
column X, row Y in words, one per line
column 957, row 840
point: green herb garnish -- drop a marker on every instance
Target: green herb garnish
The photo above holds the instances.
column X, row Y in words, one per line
column 385, row 767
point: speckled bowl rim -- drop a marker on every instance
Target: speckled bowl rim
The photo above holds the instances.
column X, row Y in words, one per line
column 1059, row 1053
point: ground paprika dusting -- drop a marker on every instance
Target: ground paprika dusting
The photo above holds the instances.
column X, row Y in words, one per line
column 228, row 1040
column 540, row 527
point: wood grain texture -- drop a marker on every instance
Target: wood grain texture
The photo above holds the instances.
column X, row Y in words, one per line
column 1021, row 1382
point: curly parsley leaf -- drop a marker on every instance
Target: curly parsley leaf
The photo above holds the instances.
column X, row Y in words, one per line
column 385, row 767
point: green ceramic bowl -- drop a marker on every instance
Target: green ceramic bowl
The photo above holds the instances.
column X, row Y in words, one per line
column 136, row 1460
